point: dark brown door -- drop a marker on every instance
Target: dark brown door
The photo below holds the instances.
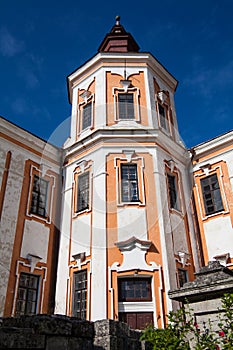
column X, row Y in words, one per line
column 137, row 320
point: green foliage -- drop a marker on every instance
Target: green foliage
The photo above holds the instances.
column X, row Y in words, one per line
column 183, row 333
column 226, row 323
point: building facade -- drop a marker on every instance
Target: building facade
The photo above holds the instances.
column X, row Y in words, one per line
column 136, row 212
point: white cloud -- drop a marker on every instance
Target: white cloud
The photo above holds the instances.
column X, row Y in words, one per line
column 9, row 45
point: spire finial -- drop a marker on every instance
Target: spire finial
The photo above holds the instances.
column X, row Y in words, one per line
column 118, row 20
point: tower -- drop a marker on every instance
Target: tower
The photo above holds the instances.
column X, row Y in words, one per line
column 127, row 234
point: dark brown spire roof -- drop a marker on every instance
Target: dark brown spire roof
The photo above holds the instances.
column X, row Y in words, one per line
column 118, row 40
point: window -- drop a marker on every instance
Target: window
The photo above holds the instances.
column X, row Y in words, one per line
column 134, row 289
column 163, row 117
column 129, row 183
column 87, row 116
column 126, row 106
column 80, row 295
column 182, row 276
column 39, row 196
column 27, row 296
column 83, row 192
column 211, row 194
column 172, row 190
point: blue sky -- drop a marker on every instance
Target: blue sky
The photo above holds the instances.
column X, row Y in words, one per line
column 41, row 42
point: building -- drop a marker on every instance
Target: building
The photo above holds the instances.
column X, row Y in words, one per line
column 138, row 210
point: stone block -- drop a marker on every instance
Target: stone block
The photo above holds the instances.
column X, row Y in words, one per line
column 13, row 338
column 82, row 329
column 57, row 343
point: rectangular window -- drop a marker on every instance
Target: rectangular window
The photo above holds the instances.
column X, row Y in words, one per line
column 129, row 183
column 163, row 117
column 83, row 192
column 182, row 276
column 80, row 295
column 39, row 196
column 126, row 106
column 211, row 194
column 27, row 296
column 87, row 115
column 134, row 289
column 173, row 193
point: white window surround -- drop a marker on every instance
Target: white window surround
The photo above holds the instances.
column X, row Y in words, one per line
column 88, row 99
column 207, row 171
column 129, row 156
column 83, row 167
column 42, row 173
column 136, row 105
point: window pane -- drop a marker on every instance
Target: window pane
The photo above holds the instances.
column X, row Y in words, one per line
column 80, row 294
column 129, row 183
column 138, row 289
column 172, row 189
column 87, row 114
column 27, row 294
column 163, row 117
column 183, row 277
column 126, row 106
column 211, row 194
column 83, row 192
column 39, row 196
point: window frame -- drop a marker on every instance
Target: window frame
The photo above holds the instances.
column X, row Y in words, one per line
column 212, row 195
column 27, row 291
column 86, row 190
column 174, row 204
column 125, row 108
column 38, row 194
column 83, row 291
column 184, row 274
column 163, row 119
column 129, row 181
column 122, row 298
column 87, row 113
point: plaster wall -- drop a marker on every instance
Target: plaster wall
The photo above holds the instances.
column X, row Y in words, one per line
column 219, row 236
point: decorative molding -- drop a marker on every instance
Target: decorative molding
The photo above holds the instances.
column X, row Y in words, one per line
column 129, row 154
column 33, row 260
column 183, row 256
column 134, row 251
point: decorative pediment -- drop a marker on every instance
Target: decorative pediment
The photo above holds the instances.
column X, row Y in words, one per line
column 134, row 251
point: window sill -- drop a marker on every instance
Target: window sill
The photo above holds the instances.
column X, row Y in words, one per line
column 138, row 203
column 209, row 216
column 78, row 213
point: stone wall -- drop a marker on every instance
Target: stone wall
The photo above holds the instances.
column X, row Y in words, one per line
column 66, row 333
